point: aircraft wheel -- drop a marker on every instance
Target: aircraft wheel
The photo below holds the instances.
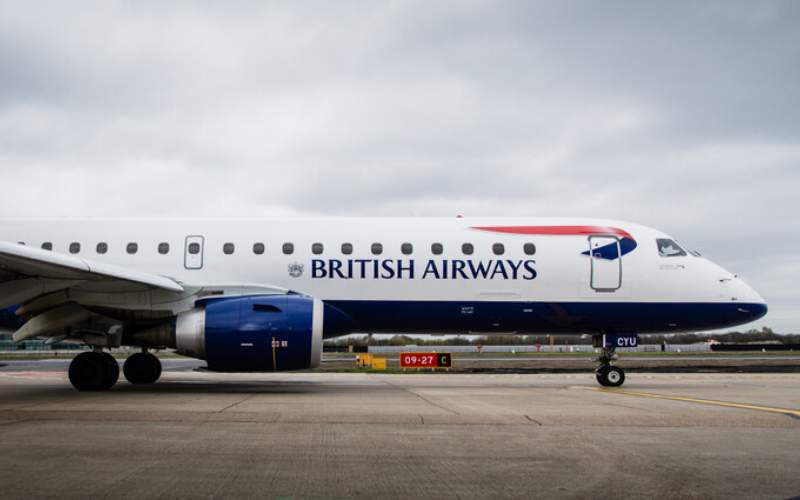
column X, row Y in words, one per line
column 112, row 371
column 600, row 375
column 611, row 376
column 93, row 371
column 142, row 368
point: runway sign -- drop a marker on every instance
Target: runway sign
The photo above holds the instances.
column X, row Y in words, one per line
column 425, row 360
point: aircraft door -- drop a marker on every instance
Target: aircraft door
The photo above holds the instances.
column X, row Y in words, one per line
column 193, row 252
column 606, row 263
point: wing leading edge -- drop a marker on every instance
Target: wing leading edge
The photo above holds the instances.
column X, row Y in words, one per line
column 23, row 262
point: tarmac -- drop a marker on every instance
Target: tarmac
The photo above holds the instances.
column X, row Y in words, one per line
column 361, row 435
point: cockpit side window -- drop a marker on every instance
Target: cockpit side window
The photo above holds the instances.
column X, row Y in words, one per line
column 668, row 248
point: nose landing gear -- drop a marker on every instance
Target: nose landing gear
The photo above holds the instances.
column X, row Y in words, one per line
column 607, row 374
column 610, row 376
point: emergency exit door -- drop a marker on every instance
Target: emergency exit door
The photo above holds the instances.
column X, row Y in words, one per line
column 193, row 252
column 606, row 263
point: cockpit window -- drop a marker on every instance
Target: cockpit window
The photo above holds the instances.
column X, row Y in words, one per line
column 668, row 248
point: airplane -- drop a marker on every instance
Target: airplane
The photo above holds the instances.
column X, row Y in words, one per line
column 261, row 295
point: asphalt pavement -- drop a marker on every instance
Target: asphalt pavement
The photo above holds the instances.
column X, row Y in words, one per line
column 358, row 435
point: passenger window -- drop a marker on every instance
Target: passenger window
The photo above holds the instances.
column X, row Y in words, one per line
column 668, row 248
column 101, row 247
column 74, row 247
column 529, row 248
column 288, row 248
column 437, row 249
column 347, row 248
column 406, row 248
column 498, row 249
column 163, row 248
column 21, row 243
column 47, row 245
column 377, row 249
column 316, row 248
column 467, row 248
column 258, row 248
column 194, row 248
column 227, row 248
column 132, row 248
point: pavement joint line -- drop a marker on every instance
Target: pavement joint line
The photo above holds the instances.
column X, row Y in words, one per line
column 531, row 419
column 420, row 396
column 16, row 421
column 237, row 402
column 728, row 404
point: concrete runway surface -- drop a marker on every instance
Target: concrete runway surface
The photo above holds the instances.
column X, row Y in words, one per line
column 344, row 435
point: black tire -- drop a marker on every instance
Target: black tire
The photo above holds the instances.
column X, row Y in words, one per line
column 112, row 371
column 601, row 375
column 88, row 371
column 142, row 368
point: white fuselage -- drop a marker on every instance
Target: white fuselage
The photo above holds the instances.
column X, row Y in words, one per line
column 559, row 274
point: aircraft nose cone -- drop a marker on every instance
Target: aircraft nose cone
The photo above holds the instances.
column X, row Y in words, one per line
column 752, row 303
column 758, row 310
column 754, row 311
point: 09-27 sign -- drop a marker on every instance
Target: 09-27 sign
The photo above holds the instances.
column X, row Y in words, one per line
column 425, row 360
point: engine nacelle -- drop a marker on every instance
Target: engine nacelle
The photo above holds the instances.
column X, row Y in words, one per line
column 257, row 333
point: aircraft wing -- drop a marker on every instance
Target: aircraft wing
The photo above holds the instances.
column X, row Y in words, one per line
column 51, row 270
column 63, row 296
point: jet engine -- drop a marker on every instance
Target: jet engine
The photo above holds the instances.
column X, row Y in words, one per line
column 254, row 333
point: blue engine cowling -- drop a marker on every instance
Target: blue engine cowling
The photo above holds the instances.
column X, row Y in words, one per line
column 256, row 333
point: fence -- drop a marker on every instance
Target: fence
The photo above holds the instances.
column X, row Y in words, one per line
column 38, row 345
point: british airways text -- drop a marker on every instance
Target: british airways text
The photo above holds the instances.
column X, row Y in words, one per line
column 446, row 269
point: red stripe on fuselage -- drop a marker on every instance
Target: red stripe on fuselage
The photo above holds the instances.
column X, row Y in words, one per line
column 556, row 230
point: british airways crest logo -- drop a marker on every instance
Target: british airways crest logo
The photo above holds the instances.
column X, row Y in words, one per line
column 295, row 269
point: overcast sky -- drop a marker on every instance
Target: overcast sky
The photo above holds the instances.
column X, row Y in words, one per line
column 682, row 116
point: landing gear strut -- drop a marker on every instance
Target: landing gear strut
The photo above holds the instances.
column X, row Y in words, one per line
column 93, row 371
column 142, row 368
column 608, row 375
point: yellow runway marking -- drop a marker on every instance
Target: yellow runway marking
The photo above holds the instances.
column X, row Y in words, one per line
column 770, row 409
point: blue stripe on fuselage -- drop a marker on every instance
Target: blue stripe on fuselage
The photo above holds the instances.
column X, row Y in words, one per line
column 542, row 317
column 385, row 316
